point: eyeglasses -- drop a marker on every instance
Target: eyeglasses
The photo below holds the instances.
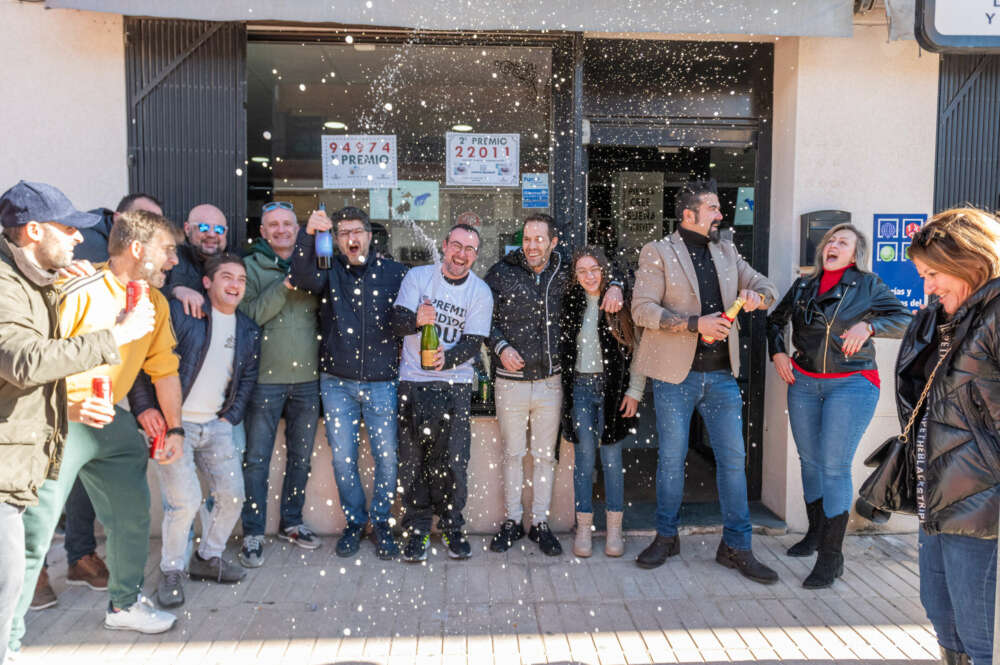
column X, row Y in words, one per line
column 274, row 205
column 927, row 234
column 218, row 228
column 351, row 233
column 458, row 247
column 593, row 272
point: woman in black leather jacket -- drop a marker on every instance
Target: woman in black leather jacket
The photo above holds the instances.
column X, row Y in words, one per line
column 957, row 442
column 833, row 383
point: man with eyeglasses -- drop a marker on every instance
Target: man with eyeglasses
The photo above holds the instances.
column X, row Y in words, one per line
column 287, row 384
column 205, row 230
column 358, row 363
column 434, row 405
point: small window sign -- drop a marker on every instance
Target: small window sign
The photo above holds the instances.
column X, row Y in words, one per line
column 958, row 26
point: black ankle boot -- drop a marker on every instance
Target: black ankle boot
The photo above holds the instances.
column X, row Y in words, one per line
column 830, row 560
column 806, row 546
column 949, row 657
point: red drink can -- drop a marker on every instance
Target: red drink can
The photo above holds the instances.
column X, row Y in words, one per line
column 100, row 387
column 156, row 445
column 133, row 292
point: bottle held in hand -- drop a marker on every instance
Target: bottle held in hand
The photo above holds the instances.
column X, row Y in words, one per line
column 324, row 247
column 729, row 315
column 428, row 346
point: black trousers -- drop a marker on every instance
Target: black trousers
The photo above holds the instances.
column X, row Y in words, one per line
column 433, row 453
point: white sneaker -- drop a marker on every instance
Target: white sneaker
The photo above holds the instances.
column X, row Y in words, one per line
column 141, row 617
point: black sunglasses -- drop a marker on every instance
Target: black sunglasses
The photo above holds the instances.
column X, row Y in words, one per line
column 219, row 228
column 274, row 205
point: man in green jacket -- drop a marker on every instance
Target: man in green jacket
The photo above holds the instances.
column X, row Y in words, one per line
column 40, row 229
column 287, row 384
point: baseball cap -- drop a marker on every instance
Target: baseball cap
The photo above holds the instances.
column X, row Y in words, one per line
column 37, row 202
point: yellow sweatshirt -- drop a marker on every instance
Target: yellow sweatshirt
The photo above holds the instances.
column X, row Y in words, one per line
column 93, row 303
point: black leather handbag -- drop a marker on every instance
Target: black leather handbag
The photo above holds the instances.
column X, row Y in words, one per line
column 892, row 486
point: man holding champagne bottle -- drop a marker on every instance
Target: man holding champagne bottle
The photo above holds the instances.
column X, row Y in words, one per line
column 689, row 288
column 358, row 363
column 443, row 314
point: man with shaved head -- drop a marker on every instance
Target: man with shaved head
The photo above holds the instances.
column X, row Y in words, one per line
column 205, row 229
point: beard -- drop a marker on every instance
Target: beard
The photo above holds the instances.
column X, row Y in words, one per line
column 154, row 276
column 53, row 254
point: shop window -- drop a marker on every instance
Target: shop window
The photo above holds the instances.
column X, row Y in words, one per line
column 417, row 94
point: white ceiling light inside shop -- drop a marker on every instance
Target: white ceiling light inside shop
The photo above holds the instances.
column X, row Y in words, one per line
column 815, row 18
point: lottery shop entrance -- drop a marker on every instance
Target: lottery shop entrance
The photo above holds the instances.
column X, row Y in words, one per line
column 658, row 114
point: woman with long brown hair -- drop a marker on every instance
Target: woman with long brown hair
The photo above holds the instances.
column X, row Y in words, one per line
column 833, row 382
column 600, row 393
column 949, row 371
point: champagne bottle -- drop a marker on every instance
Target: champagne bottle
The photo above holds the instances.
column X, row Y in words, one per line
column 428, row 344
column 729, row 315
column 324, row 247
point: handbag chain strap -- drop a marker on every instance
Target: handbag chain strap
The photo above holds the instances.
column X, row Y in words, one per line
column 905, row 437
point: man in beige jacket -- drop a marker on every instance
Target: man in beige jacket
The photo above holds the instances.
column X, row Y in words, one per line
column 683, row 285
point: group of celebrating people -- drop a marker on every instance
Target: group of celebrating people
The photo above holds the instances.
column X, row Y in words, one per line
column 218, row 348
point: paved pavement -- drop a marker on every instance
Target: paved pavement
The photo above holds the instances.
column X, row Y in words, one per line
column 518, row 607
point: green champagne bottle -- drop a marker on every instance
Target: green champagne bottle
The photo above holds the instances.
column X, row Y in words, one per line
column 428, row 346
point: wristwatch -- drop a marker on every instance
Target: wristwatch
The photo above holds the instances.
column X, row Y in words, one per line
column 693, row 324
column 871, row 329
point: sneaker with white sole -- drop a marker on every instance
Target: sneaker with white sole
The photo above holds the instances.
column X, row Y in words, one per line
column 141, row 617
column 300, row 536
column 251, row 555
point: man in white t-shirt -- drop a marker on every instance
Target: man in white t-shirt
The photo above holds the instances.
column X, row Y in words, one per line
column 434, row 428
column 219, row 356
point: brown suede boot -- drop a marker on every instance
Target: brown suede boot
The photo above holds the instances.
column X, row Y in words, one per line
column 44, row 595
column 614, row 545
column 582, row 545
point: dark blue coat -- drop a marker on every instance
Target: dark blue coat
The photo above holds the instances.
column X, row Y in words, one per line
column 193, row 338
column 355, row 312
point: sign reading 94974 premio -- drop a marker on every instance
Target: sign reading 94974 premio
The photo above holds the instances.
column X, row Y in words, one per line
column 483, row 160
column 359, row 161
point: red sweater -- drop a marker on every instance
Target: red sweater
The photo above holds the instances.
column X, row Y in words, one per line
column 827, row 281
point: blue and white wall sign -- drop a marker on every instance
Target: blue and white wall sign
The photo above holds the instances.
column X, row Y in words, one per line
column 891, row 256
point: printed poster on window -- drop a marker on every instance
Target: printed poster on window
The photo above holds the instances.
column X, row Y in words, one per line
column 640, row 211
column 359, row 161
column 891, row 260
column 483, row 160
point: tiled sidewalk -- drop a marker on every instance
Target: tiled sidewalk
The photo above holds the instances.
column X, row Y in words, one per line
column 519, row 607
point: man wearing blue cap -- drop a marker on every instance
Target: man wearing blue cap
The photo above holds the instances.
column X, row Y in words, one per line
column 40, row 229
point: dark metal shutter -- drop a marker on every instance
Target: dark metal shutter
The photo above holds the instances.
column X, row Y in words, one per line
column 186, row 83
column 967, row 168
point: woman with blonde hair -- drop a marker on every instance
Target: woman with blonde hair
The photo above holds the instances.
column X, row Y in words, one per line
column 833, row 382
column 949, row 371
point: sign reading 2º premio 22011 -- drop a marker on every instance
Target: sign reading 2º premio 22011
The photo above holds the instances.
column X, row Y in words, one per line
column 483, row 160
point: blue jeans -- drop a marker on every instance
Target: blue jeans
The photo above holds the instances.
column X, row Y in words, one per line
column 717, row 398
column 345, row 402
column 80, row 540
column 208, row 447
column 299, row 404
column 958, row 580
column 828, row 417
column 588, row 422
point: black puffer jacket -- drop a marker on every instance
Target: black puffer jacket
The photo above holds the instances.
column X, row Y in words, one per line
column 818, row 321
column 617, row 360
column 963, row 442
column 526, row 309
